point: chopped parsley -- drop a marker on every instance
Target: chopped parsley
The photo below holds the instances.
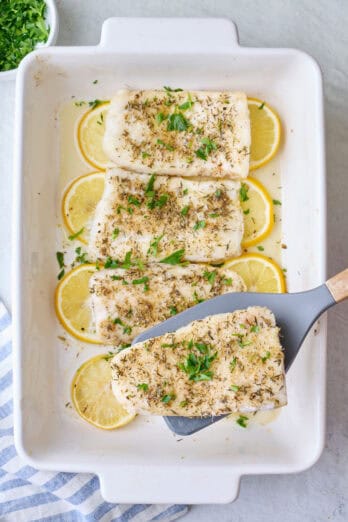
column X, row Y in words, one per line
column 243, row 192
column 109, row 356
column 161, row 117
column 234, row 388
column 150, row 184
column 116, row 278
column 167, row 398
column 197, row 367
column 228, row 281
column 81, row 257
column 169, row 89
column 185, row 210
column 95, row 103
column 177, row 122
column 176, row 258
column 153, row 249
column 261, row 248
column 267, row 356
column 202, row 347
column 218, row 193
column 77, row 234
column 169, row 345
column 101, row 120
column 276, row 202
column 207, row 148
column 247, row 211
column 261, row 106
column 255, row 328
column 120, row 208
column 159, row 202
column 60, row 259
column 214, row 215
column 183, row 404
column 242, row 421
column 139, row 263
column 145, row 155
column 210, row 276
column 95, row 81
column 199, row 224
column 242, row 343
column 143, row 386
column 115, row 233
column 127, row 263
column 153, row 200
column 173, row 310
column 166, row 145
column 122, row 347
column 197, row 299
column 142, row 281
column 126, row 329
column 133, row 201
column 188, row 104
column 233, row 363
column 185, row 191
column 112, row 263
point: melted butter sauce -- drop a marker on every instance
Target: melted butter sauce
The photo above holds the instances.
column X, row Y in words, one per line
column 269, row 176
column 73, row 165
column 259, row 418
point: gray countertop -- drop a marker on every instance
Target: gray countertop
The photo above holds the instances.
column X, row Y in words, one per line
column 318, row 27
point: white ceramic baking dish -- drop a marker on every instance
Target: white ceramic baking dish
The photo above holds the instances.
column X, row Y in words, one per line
column 144, row 462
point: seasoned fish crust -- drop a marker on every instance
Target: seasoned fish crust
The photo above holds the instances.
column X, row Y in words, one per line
column 224, row 363
column 127, row 302
column 196, row 133
column 202, row 217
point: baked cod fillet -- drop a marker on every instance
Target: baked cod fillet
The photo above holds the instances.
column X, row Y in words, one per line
column 125, row 302
column 224, row 363
column 197, row 133
column 156, row 216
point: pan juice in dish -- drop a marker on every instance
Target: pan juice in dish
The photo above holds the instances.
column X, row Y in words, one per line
column 82, row 126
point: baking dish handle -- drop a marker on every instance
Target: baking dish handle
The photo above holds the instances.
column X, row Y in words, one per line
column 176, row 485
column 168, row 35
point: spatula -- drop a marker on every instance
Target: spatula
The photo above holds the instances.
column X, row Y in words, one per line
column 294, row 313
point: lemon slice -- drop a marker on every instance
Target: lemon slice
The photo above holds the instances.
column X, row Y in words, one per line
column 72, row 304
column 265, row 132
column 79, row 203
column 259, row 273
column 258, row 212
column 93, row 398
column 90, row 134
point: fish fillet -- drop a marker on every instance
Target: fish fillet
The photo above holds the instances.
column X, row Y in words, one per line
column 224, row 363
column 125, row 302
column 154, row 217
column 197, row 133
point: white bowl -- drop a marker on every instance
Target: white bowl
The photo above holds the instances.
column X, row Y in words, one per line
column 53, row 22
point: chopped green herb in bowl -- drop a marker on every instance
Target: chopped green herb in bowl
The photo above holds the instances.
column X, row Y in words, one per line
column 25, row 25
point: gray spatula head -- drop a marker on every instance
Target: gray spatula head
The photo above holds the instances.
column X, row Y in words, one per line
column 294, row 313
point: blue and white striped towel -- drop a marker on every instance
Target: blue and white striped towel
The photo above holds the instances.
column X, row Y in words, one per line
column 29, row 495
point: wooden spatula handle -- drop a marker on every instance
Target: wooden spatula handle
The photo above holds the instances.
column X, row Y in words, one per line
column 338, row 286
